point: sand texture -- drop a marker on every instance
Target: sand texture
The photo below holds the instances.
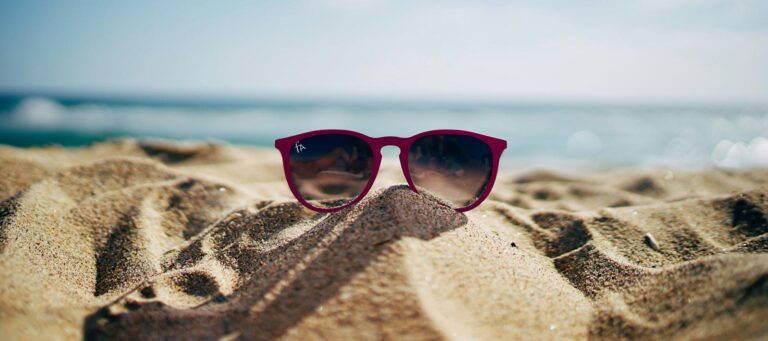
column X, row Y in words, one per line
column 155, row 240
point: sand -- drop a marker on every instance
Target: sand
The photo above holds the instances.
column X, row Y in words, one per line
column 154, row 240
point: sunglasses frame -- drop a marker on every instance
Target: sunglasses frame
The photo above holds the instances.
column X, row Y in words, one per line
column 285, row 144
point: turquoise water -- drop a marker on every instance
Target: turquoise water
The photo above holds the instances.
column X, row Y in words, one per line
column 538, row 134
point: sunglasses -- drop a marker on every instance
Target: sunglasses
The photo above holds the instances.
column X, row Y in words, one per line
column 329, row 170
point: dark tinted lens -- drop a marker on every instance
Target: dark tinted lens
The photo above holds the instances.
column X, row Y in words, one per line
column 455, row 167
column 332, row 169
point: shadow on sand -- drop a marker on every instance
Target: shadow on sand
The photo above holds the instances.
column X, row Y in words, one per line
column 362, row 233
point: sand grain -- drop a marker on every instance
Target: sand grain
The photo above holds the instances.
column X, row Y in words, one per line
column 156, row 240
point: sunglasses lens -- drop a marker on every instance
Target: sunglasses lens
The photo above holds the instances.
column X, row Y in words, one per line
column 454, row 167
column 332, row 169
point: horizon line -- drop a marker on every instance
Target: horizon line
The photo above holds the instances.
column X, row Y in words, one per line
column 160, row 98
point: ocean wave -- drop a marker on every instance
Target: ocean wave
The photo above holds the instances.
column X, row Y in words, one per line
column 538, row 136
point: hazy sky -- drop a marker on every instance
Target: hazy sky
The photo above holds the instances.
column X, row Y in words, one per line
column 643, row 50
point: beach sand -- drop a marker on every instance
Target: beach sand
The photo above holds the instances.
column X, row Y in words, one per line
column 128, row 240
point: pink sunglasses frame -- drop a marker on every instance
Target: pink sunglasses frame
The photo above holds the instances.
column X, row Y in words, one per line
column 285, row 144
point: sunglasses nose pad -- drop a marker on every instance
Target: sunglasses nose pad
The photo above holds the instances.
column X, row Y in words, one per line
column 390, row 172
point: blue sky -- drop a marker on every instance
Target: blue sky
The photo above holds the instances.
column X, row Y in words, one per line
column 637, row 51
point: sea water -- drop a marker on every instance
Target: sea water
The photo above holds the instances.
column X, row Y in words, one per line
column 551, row 135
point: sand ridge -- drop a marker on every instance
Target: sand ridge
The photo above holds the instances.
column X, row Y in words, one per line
column 152, row 239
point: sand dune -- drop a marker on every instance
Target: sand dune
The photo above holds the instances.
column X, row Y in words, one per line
column 159, row 240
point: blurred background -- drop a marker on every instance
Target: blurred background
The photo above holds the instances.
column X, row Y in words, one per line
column 593, row 84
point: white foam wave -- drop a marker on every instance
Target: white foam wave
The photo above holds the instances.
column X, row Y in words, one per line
column 729, row 154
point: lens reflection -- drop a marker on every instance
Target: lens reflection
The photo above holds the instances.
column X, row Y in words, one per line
column 454, row 167
column 332, row 169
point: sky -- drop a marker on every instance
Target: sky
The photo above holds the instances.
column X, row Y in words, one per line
column 549, row 50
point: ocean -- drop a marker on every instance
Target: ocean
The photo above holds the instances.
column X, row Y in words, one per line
column 548, row 135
